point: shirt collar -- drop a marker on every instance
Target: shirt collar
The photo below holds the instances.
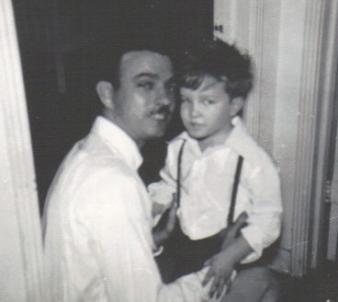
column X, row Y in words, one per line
column 238, row 137
column 117, row 140
column 235, row 141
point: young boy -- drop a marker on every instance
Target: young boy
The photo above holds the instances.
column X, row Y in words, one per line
column 204, row 162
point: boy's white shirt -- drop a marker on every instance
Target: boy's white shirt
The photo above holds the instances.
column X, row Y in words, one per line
column 206, row 186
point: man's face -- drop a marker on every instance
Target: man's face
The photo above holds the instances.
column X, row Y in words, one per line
column 144, row 102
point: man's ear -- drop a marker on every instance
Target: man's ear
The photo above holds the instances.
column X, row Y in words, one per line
column 236, row 105
column 105, row 92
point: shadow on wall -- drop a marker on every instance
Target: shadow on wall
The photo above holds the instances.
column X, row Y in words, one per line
column 63, row 47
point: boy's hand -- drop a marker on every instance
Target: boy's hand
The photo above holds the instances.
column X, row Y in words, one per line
column 232, row 231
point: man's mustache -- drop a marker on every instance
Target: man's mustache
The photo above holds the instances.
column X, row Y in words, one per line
column 164, row 109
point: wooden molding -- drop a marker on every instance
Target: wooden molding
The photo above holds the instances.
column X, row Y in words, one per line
column 308, row 94
column 18, row 173
column 256, row 50
column 325, row 136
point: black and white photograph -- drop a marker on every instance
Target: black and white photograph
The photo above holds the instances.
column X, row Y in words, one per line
column 169, row 151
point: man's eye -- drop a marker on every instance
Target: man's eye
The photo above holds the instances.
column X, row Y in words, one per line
column 185, row 100
column 147, row 85
column 171, row 88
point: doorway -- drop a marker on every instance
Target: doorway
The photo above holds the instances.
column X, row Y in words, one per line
column 65, row 43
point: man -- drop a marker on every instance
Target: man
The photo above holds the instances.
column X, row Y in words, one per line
column 98, row 222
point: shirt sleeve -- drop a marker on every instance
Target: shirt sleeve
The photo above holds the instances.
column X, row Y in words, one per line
column 264, row 222
column 121, row 239
column 161, row 192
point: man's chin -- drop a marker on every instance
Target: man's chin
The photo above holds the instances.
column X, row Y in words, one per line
column 157, row 133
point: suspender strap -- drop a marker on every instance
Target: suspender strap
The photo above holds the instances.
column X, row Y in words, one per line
column 234, row 190
column 230, row 217
column 178, row 177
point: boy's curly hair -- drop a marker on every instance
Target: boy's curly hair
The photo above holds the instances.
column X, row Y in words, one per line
column 220, row 60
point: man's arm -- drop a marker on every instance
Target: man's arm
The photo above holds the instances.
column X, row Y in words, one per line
column 222, row 265
column 234, row 249
column 166, row 225
column 121, row 237
column 161, row 192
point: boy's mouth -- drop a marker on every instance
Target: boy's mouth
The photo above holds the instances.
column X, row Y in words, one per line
column 196, row 125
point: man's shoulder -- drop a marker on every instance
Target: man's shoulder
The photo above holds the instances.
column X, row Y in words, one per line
column 98, row 156
column 85, row 166
column 112, row 168
column 103, row 178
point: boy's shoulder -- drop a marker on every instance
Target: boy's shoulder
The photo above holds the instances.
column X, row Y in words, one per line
column 244, row 144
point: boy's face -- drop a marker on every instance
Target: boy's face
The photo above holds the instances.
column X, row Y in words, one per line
column 207, row 112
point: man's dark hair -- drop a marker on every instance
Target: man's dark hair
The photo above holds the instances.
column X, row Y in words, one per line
column 113, row 56
column 220, row 60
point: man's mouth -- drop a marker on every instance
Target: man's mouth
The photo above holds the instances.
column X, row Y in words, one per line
column 160, row 114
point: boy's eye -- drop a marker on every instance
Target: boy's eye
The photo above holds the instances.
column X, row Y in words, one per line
column 208, row 101
column 147, row 85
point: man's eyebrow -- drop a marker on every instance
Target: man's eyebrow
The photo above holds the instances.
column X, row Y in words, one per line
column 147, row 74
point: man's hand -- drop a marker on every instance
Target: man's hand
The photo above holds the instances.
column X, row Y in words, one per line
column 222, row 264
column 158, row 209
column 220, row 271
column 166, row 225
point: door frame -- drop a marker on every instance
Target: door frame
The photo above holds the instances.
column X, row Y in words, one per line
column 325, row 132
column 20, row 232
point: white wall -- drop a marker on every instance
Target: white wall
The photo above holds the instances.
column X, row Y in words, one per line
column 285, row 39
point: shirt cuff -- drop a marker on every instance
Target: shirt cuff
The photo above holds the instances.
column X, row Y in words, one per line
column 254, row 238
column 158, row 251
column 161, row 193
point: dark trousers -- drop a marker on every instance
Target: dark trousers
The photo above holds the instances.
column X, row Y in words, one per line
column 182, row 256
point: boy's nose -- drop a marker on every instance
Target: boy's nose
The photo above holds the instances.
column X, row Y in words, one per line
column 195, row 110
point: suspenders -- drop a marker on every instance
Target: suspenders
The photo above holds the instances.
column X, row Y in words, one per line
column 230, row 218
column 178, row 177
column 188, row 255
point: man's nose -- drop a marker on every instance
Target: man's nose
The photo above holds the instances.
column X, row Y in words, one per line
column 163, row 97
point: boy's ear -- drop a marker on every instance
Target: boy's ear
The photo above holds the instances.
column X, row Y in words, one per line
column 236, row 105
column 105, row 91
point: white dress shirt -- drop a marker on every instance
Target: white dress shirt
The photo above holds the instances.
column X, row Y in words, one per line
column 206, row 185
column 98, row 241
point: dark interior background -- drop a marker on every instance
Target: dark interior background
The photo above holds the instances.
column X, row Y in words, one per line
column 64, row 45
